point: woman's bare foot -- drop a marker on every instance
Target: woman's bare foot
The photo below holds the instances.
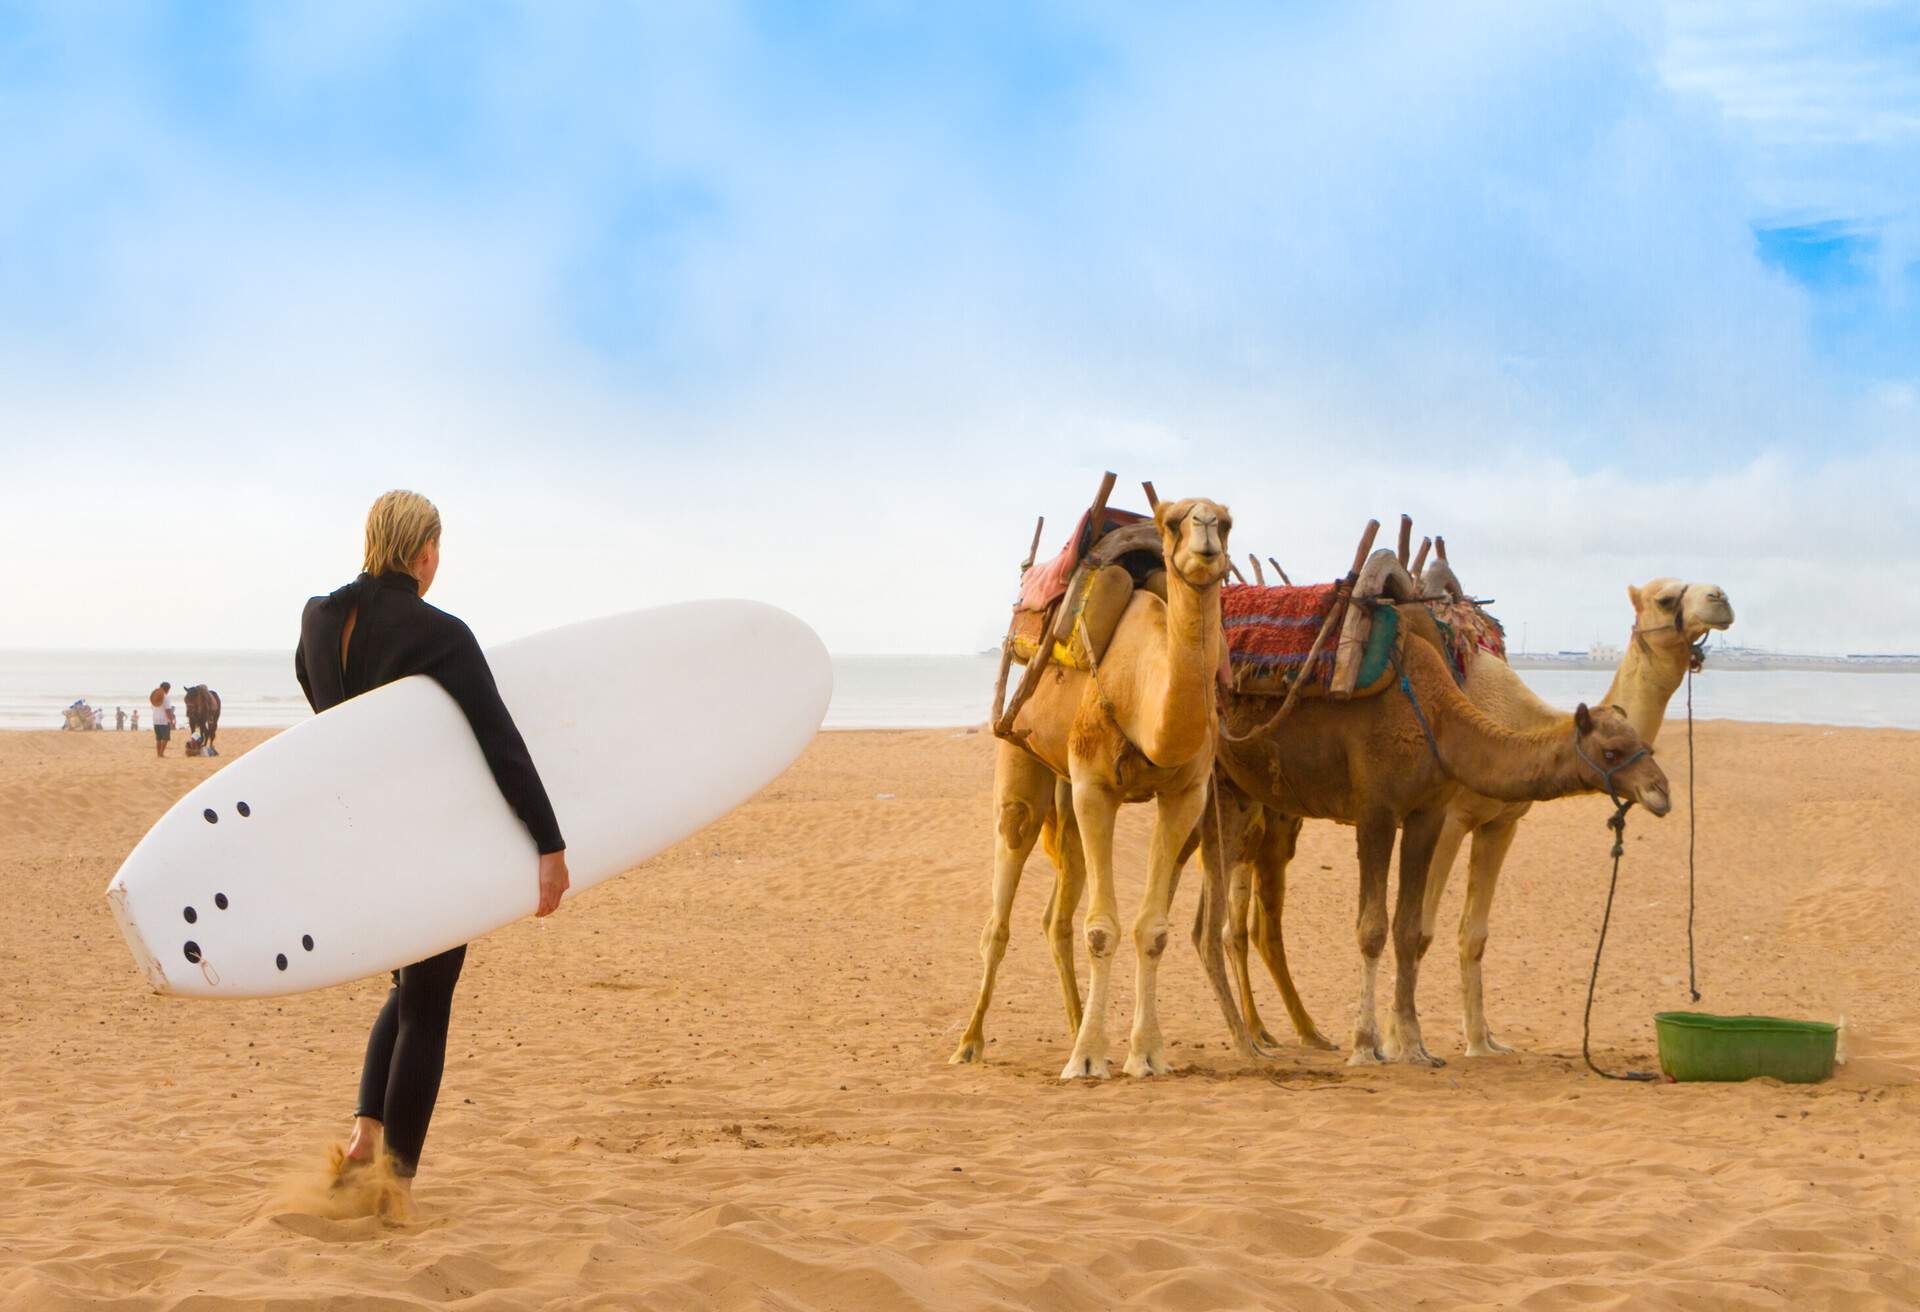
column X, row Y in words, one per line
column 364, row 1141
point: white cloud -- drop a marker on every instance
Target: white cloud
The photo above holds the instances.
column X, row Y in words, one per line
column 1483, row 267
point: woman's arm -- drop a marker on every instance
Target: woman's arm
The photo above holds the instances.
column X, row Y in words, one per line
column 462, row 670
column 300, row 673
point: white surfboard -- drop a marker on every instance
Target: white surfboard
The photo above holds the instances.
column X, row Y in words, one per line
column 373, row 835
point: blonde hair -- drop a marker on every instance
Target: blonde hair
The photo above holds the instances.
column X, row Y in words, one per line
column 400, row 526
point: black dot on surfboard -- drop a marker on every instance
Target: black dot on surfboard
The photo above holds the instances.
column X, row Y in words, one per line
column 281, row 961
column 193, row 952
column 213, row 816
column 243, row 809
column 220, row 900
column 191, row 915
column 306, row 941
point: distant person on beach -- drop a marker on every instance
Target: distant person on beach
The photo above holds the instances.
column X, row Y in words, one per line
column 371, row 632
column 136, row 719
column 120, row 719
column 162, row 704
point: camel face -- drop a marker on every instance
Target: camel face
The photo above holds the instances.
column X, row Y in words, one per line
column 1193, row 538
column 1688, row 610
column 1608, row 739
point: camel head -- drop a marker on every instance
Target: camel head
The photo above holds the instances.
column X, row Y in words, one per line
column 1671, row 610
column 1193, row 539
column 1608, row 742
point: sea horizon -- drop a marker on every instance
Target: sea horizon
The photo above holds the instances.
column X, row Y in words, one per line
column 930, row 690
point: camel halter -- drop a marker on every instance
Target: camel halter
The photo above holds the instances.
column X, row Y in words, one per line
column 1606, row 776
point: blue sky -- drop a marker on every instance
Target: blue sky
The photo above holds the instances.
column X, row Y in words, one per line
column 823, row 303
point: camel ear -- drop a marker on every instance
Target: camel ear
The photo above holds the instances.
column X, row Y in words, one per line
column 1582, row 720
column 1633, row 595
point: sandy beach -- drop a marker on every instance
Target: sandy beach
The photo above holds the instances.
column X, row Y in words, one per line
column 720, row 1081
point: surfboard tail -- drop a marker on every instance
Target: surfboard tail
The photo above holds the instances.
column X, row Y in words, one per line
column 149, row 964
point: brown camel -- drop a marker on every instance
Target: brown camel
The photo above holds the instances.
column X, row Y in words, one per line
column 1670, row 617
column 1394, row 761
column 1138, row 726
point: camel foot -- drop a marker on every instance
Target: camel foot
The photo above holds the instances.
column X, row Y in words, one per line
column 1487, row 1046
column 1315, row 1039
column 1143, row 1064
column 1085, row 1068
column 1366, row 1052
column 971, row 1050
column 1413, row 1053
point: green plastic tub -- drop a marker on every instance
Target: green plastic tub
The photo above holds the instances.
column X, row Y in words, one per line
column 1695, row 1046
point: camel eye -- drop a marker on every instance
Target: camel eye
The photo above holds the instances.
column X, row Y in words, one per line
column 1668, row 603
column 1612, row 755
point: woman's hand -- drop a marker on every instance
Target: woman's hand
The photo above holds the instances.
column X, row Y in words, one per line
column 553, row 882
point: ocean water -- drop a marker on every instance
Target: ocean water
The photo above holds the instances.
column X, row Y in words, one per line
column 878, row 692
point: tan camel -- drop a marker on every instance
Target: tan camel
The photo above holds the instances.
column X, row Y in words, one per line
column 1140, row 727
column 1669, row 618
column 1395, row 761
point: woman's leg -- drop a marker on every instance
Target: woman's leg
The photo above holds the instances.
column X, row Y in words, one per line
column 371, row 1110
column 422, row 1002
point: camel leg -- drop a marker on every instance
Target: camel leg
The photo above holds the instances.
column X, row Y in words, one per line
column 1095, row 806
column 1062, row 841
column 1146, row 1051
column 1453, row 833
column 1419, row 833
column 1374, row 840
column 1275, row 854
column 1240, row 877
column 1210, row 917
column 1187, row 849
column 1023, row 794
column 1490, row 846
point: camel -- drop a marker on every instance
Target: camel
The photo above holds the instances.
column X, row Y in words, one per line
column 1139, row 725
column 1669, row 618
column 1395, row 761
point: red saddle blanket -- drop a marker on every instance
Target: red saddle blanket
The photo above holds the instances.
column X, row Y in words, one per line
column 1270, row 630
column 1045, row 584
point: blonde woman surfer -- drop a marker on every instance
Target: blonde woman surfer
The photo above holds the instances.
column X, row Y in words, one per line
column 373, row 631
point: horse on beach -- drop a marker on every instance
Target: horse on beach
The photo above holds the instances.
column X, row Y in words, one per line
column 203, row 719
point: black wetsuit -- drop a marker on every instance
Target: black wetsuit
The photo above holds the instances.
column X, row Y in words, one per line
column 397, row 634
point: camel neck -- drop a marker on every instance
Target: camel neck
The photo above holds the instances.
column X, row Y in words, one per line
column 1183, row 718
column 1651, row 671
column 1510, row 765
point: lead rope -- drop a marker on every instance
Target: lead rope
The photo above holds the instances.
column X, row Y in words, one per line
column 1693, row 663
column 1618, row 823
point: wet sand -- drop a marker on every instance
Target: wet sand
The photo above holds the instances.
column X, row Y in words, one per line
column 721, row 1082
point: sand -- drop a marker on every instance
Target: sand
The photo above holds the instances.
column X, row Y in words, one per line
column 721, row 1082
